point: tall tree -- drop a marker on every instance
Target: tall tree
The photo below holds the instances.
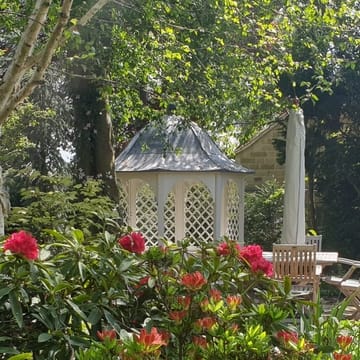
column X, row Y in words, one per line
column 43, row 28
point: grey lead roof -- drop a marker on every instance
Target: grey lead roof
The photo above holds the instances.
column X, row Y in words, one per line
column 173, row 146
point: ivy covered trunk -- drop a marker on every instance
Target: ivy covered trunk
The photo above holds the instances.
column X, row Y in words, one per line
column 93, row 135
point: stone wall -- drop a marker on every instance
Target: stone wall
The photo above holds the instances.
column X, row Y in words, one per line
column 260, row 155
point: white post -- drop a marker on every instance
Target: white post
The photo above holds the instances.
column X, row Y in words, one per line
column 179, row 195
column 132, row 191
column 220, row 209
column 241, row 188
column 161, row 198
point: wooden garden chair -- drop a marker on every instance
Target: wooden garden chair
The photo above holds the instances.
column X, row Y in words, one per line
column 314, row 239
column 348, row 284
column 298, row 262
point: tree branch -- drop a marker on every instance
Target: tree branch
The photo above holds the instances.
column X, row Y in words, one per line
column 23, row 60
column 17, row 68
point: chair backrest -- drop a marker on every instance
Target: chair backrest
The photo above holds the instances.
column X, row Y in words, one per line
column 295, row 261
column 314, row 239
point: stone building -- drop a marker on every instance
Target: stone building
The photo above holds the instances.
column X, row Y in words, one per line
column 260, row 155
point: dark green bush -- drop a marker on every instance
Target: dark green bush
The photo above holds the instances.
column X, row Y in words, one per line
column 263, row 214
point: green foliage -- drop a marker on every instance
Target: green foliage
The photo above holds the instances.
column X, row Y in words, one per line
column 263, row 214
column 32, row 137
column 60, row 203
column 55, row 306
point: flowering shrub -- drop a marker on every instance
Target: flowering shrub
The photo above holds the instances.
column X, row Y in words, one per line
column 114, row 299
column 22, row 243
column 133, row 242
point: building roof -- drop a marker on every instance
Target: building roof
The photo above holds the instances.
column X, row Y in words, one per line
column 171, row 145
column 257, row 137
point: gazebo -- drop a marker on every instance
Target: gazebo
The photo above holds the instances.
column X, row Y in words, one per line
column 175, row 183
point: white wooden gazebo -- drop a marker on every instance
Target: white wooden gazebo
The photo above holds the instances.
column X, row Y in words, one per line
column 175, row 183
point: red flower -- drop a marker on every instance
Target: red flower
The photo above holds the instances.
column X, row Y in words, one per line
column 206, row 322
column 200, row 341
column 253, row 255
column 177, row 316
column 184, row 302
column 344, row 341
column 150, row 341
column 106, row 334
column 133, row 242
column 233, row 301
column 215, row 295
column 263, row 266
column 204, row 305
column 226, row 248
column 193, row 281
column 251, row 252
column 339, row 356
column 22, row 243
column 287, row 336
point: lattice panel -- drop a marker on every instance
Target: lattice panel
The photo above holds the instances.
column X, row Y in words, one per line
column 199, row 215
column 123, row 202
column 169, row 218
column 233, row 211
column 146, row 214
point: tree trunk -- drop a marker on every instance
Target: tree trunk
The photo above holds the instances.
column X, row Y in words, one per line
column 311, row 207
column 93, row 136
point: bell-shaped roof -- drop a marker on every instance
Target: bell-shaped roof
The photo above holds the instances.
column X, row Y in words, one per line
column 173, row 146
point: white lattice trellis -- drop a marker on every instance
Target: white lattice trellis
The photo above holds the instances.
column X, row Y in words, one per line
column 233, row 206
column 146, row 214
column 123, row 201
column 169, row 218
column 199, row 215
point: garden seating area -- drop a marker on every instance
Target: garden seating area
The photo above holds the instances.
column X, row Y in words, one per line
column 346, row 279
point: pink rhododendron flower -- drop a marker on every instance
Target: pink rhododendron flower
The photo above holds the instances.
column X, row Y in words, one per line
column 22, row 243
column 133, row 242
column 253, row 255
column 226, row 248
column 251, row 252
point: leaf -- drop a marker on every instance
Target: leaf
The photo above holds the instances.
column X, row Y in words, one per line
column 4, row 291
column 23, row 356
column 8, row 350
column 43, row 337
column 77, row 310
column 94, row 316
column 79, row 341
column 16, row 308
column 78, row 235
column 112, row 321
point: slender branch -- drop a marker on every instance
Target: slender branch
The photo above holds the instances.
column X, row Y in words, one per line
column 47, row 53
column 23, row 60
column 17, row 68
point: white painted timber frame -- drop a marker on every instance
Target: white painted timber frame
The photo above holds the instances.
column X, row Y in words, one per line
column 162, row 183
